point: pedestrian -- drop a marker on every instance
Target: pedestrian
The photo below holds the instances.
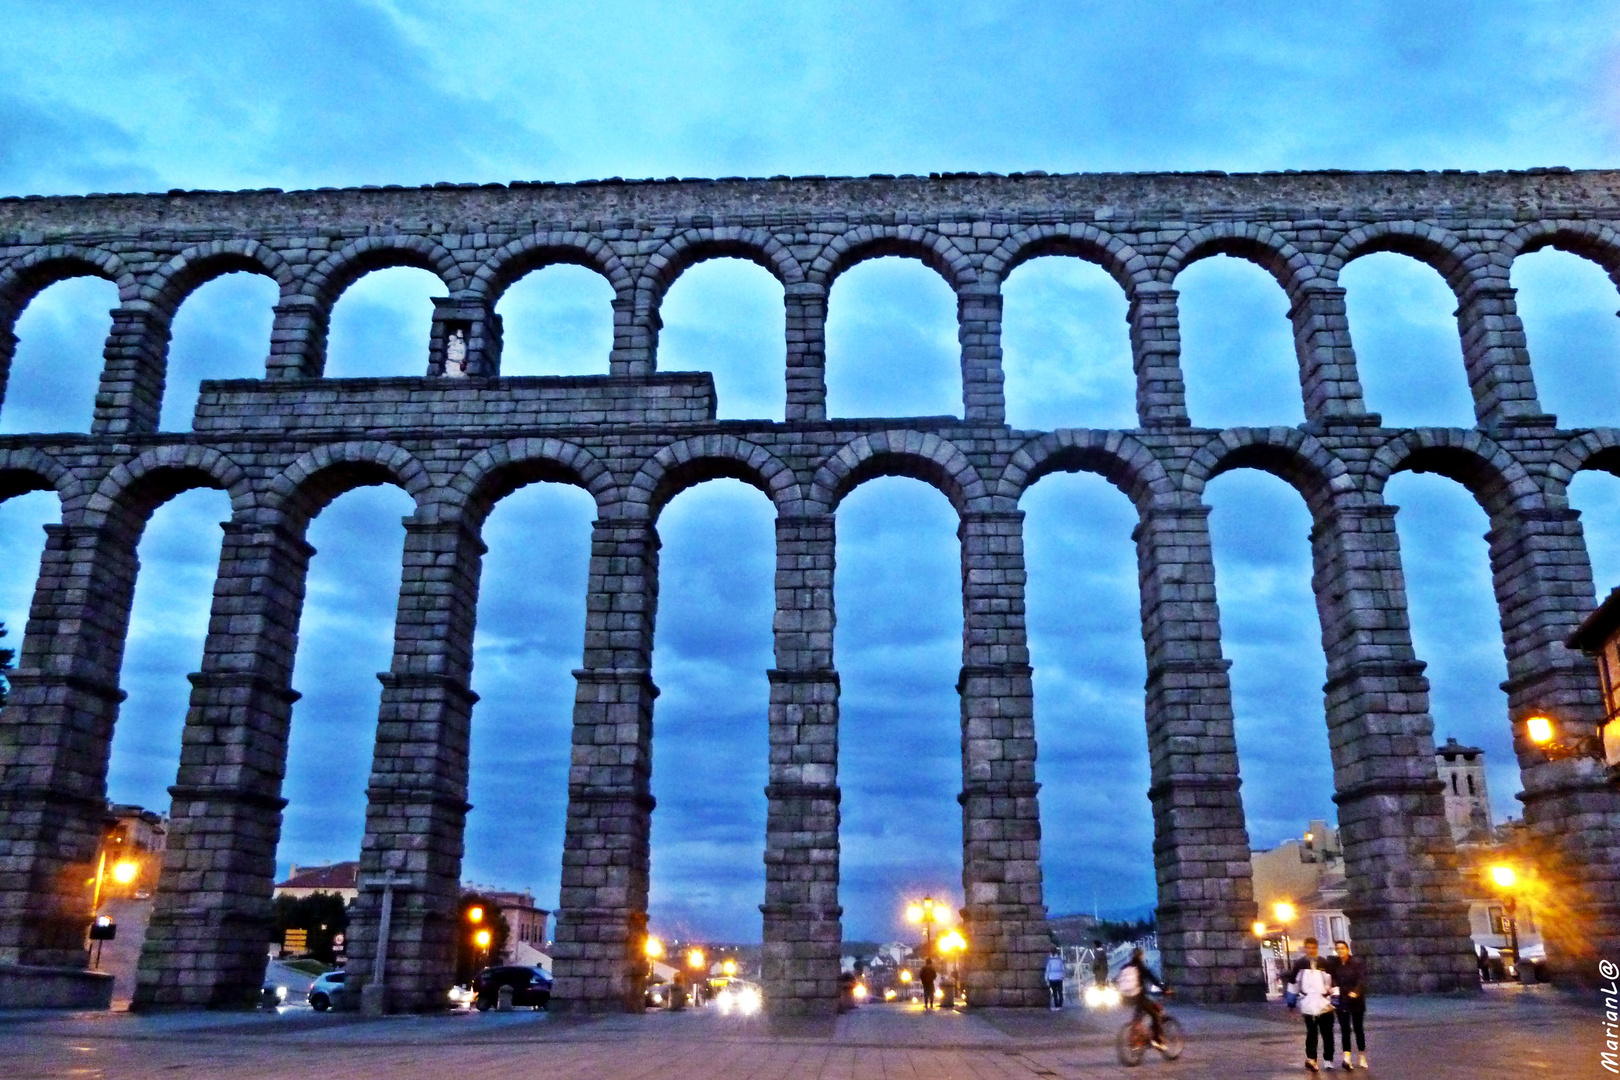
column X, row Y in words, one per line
column 1351, row 980
column 1484, row 964
column 1054, row 978
column 927, row 976
column 1099, row 964
column 1312, row 983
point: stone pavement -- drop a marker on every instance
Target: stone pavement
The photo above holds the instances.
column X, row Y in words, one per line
column 1517, row 1035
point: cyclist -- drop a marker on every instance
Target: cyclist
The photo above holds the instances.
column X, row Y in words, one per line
column 1132, row 982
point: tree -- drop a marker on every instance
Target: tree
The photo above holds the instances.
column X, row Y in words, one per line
column 6, row 658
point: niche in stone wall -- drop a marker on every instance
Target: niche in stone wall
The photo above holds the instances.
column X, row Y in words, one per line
column 381, row 325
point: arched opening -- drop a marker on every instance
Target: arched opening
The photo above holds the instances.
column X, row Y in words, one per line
column 168, row 623
column 727, row 316
column 56, row 369
column 1596, row 494
column 1456, row 628
column 1065, row 347
column 1567, row 306
column 1237, row 346
column 557, row 321
column 1270, row 630
column 898, row 595
column 710, row 745
column 531, row 620
column 222, row 331
column 22, row 537
column 1085, row 641
column 346, row 636
column 891, row 342
column 1408, row 352
column 380, row 324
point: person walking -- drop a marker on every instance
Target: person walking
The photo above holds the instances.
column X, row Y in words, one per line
column 927, row 976
column 1099, row 964
column 1312, row 984
column 1484, row 965
column 1054, row 979
column 1351, row 980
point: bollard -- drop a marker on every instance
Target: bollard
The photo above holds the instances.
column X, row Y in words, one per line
column 503, row 1000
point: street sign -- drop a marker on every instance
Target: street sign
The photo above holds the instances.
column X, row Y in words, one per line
column 296, row 940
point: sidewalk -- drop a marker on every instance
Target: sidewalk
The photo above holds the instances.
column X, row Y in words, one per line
column 1527, row 1035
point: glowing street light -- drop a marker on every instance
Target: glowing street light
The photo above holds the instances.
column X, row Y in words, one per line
column 728, row 967
column 1539, row 729
column 475, row 914
column 1504, row 877
column 694, row 959
column 1284, row 911
column 125, row 871
column 654, row 948
column 953, row 942
column 482, row 939
column 1260, row 929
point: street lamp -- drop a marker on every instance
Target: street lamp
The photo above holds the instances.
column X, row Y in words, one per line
column 728, row 967
column 654, row 948
column 928, row 912
column 1505, row 878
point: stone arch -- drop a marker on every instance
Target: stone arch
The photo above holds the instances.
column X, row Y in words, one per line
column 1258, row 244
column 25, row 469
column 539, row 250
column 1122, row 262
column 308, row 484
column 327, row 282
column 1116, row 457
column 43, row 267
column 689, row 462
column 939, row 253
column 1498, row 481
column 928, row 458
column 686, row 249
column 141, row 485
column 1599, row 450
column 167, row 288
column 496, row 471
column 1439, row 248
column 1291, row 455
column 1589, row 239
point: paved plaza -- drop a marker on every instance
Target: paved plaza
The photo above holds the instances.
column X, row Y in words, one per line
column 1513, row 1034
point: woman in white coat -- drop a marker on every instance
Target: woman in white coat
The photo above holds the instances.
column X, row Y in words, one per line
column 1312, row 984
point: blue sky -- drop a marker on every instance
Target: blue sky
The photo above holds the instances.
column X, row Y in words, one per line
column 156, row 96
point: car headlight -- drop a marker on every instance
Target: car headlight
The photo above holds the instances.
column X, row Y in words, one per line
column 658, row 999
column 1110, row 997
column 749, row 1001
column 281, row 993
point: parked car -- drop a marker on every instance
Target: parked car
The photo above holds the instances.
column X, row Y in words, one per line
column 326, row 991
column 658, row 993
column 531, row 986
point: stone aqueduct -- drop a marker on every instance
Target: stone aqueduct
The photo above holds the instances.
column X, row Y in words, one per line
column 285, row 445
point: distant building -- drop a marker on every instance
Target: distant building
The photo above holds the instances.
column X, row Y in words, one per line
column 525, row 924
column 1468, row 800
column 1306, row 875
column 132, row 845
column 1072, row 931
column 340, row 878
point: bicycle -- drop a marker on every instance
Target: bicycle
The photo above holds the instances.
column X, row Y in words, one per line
column 1136, row 1036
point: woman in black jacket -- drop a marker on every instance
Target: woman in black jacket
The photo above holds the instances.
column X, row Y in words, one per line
column 1351, row 980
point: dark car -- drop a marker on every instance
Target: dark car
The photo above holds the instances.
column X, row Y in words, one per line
column 531, row 986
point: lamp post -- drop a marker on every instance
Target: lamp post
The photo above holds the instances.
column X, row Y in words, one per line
column 1505, row 878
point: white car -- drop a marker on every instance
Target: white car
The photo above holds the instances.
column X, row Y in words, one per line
column 325, row 991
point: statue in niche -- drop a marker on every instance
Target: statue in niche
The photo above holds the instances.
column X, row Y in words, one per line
column 455, row 354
